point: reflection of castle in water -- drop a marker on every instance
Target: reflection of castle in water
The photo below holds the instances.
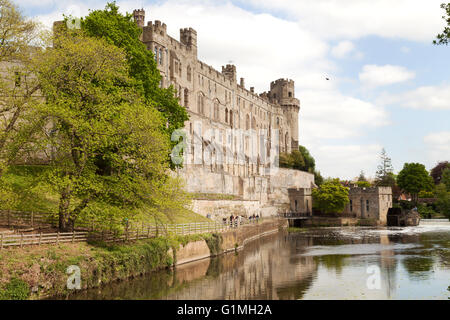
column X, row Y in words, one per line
column 266, row 269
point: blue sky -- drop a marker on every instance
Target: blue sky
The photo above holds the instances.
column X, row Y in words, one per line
column 389, row 86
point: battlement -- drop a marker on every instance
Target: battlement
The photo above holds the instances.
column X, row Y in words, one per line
column 230, row 72
column 139, row 17
column 370, row 190
column 281, row 82
column 188, row 37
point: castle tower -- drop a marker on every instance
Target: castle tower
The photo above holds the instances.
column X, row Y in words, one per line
column 230, row 72
column 282, row 92
column 139, row 17
column 188, row 37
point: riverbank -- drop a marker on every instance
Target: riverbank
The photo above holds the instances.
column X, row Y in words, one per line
column 40, row 272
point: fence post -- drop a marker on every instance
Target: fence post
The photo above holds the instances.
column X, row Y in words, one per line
column 57, row 238
column 148, row 232
column 32, row 219
column 40, row 238
column 73, row 236
column 21, row 240
column 137, row 234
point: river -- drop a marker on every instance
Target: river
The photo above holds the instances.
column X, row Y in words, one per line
column 327, row 263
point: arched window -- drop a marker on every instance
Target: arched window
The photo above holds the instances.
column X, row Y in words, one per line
column 226, row 115
column 189, row 73
column 156, row 54
column 186, row 98
column 160, row 56
column 254, row 123
column 231, row 118
column 201, row 103
column 216, row 110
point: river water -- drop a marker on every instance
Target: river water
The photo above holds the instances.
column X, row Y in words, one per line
column 328, row 263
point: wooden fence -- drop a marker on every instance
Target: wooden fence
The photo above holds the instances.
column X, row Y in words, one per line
column 131, row 232
column 8, row 240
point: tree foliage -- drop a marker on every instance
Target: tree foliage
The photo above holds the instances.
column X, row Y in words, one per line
column 436, row 172
column 363, row 184
column 414, row 178
column 118, row 29
column 384, row 175
column 444, row 37
column 18, row 88
column 292, row 160
column 443, row 199
column 310, row 163
column 362, row 176
column 331, row 197
column 108, row 146
column 318, row 179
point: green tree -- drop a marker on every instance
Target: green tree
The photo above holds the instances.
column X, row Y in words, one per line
column 414, row 178
column 362, row 177
column 443, row 200
column 444, row 37
column 298, row 162
column 331, row 197
column 318, row 179
column 436, row 172
column 118, row 29
column 18, row 88
column 363, row 184
column 446, row 178
column 285, row 160
column 310, row 163
column 384, row 175
column 108, row 148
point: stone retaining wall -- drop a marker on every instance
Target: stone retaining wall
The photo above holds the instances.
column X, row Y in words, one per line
column 231, row 240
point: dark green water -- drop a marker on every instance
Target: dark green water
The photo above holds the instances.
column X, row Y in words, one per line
column 331, row 263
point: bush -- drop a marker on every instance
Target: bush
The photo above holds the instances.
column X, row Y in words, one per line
column 425, row 210
column 426, row 194
column 407, row 205
column 16, row 289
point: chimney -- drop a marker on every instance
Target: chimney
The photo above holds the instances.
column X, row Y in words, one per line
column 252, row 89
column 242, row 83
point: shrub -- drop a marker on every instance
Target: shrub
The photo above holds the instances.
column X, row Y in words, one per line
column 16, row 289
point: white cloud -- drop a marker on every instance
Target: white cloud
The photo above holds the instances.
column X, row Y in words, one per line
column 415, row 20
column 346, row 161
column 438, row 145
column 426, row 98
column 374, row 76
column 342, row 49
column 328, row 114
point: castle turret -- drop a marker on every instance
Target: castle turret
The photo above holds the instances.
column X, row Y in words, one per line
column 229, row 72
column 139, row 17
column 282, row 92
column 188, row 37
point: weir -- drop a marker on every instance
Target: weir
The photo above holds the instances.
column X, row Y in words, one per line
column 430, row 222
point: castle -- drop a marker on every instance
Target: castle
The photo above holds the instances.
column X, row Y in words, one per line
column 234, row 134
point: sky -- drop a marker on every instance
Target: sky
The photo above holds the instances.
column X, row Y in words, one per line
column 389, row 85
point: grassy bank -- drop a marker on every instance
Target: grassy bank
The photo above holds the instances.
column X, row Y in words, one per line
column 39, row 272
column 34, row 195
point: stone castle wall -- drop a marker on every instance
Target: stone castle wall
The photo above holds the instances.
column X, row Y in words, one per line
column 234, row 135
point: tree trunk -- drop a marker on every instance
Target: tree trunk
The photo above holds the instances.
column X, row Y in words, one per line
column 64, row 203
